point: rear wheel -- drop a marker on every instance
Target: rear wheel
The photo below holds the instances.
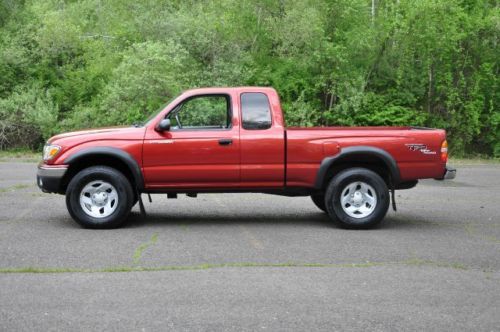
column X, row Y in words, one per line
column 319, row 201
column 357, row 198
column 99, row 197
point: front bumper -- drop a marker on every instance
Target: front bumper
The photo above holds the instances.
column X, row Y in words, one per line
column 49, row 178
column 449, row 174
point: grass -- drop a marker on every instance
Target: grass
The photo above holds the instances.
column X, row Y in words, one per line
column 421, row 262
column 20, row 155
column 473, row 161
column 411, row 262
column 140, row 249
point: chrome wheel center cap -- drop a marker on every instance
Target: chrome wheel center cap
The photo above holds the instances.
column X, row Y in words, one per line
column 357, row 198
column 99, row 198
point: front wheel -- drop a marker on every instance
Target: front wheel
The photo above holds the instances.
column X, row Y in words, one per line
column 357, row 198
column 99, row 197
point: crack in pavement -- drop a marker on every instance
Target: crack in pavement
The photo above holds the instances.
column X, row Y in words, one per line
column 142, row 247
column 410, row 262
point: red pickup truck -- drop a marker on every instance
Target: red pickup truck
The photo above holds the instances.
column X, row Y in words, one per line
column 235, row 140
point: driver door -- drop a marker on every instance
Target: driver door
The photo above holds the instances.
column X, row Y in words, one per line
column 201, row 149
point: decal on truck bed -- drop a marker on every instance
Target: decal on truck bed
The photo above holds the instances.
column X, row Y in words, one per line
column 420, row 147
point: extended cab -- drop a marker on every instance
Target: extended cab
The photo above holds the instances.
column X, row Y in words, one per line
column 235, row 140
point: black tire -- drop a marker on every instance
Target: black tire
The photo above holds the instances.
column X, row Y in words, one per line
column 319, row 201
column 111, row 176
column 340, row 182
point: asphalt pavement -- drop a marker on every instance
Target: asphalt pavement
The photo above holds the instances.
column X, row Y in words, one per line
column 253, row 262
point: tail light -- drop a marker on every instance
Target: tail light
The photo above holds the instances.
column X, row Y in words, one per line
column 444, row 151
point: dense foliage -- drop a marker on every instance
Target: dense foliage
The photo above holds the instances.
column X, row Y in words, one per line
column 75, row 64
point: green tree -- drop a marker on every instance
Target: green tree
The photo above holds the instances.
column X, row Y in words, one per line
column 89, row 63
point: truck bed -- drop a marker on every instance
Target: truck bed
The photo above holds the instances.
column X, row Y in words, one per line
column 307, row 147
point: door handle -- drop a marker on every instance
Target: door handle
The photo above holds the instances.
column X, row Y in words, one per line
column 225, row 141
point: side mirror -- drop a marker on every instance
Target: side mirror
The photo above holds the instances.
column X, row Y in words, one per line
column 164, row 125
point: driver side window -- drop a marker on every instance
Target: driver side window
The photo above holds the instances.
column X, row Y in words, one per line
column 202, row 112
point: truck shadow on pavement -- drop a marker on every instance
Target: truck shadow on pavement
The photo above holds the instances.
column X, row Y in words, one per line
column 135, row 219
column 313, row 219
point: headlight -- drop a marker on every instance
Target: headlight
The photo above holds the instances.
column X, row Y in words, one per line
column 50, row 151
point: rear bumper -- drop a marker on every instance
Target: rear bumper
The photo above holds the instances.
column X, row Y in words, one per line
column 49, row 178
column 449, row 174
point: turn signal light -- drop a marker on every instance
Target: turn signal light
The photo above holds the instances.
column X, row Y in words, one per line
column 50, row 151
column 444, row 151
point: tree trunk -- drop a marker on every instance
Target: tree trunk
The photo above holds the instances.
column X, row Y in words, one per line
column 429, row 90
column 373, row 11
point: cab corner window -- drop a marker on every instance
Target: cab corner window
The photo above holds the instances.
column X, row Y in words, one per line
column 255, row 111
column 202, row 112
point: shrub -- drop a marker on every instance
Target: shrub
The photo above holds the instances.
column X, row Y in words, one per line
column 26, row 117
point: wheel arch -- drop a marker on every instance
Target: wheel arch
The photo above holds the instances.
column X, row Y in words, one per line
column 104, row 156
column 373, row 158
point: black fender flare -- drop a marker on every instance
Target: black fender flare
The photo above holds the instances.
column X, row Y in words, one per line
column 113, row 152
column 371, row 151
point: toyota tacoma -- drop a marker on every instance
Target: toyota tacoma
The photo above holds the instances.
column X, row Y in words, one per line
column 216, row 140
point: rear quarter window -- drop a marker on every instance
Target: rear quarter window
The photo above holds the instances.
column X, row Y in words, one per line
column 255, row 111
